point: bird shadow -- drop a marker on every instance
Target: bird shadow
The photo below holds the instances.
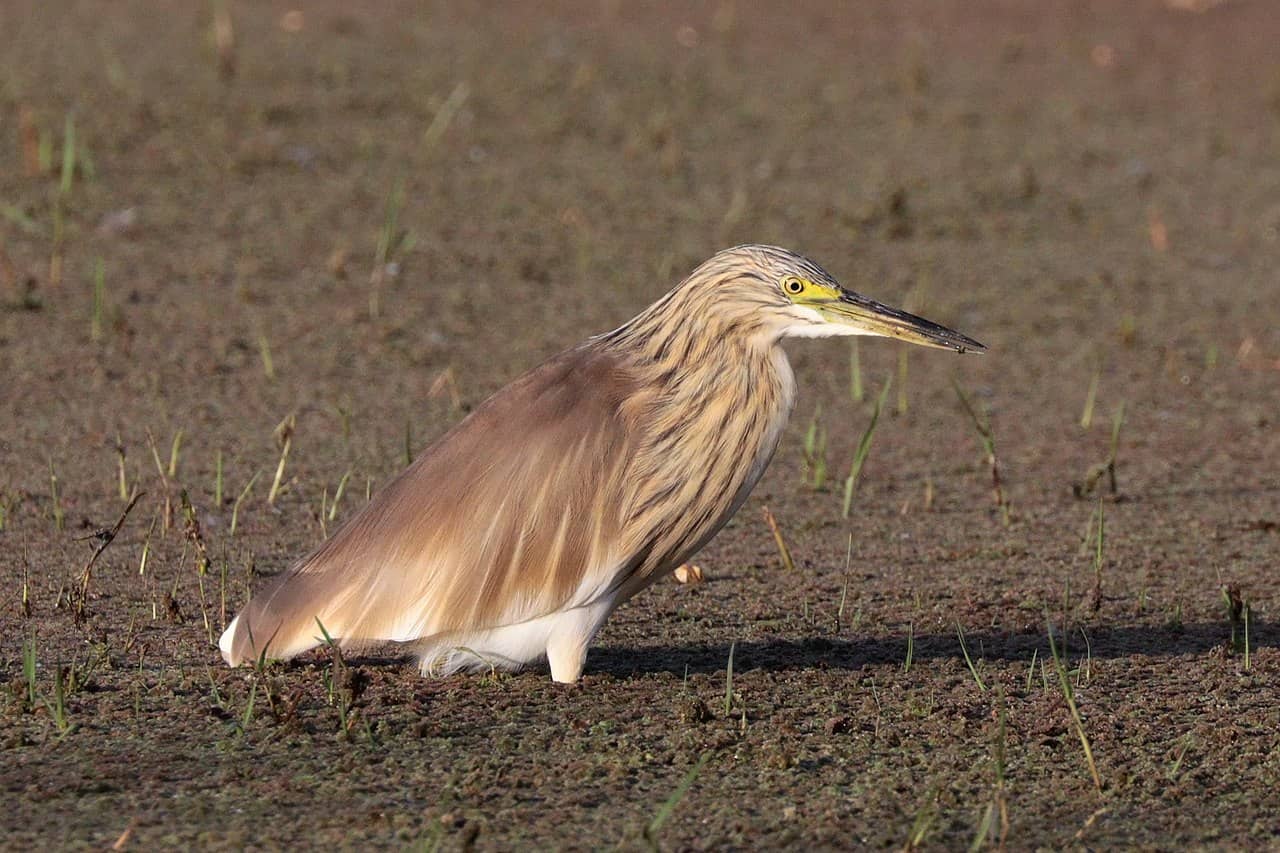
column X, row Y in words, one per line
column 779, row 655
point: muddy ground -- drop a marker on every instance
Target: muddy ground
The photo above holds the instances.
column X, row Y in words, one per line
column 1092, row 189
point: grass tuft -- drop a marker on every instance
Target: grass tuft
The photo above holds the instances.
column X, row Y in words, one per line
column 1107, row 467
column 391, row 239
column 815, row 452
column 244, row 493
column 864, row 448
column 986, row 438
column 1240, row 616
column 997, row 811
column 668, row 807
column 964, row 648
column 728, row 680
column 337, row 681
column 1069, row 695
column 923, row 821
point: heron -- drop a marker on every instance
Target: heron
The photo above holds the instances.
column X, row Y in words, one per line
column 515, row 535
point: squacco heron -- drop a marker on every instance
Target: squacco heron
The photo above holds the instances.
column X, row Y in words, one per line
column 515, row 535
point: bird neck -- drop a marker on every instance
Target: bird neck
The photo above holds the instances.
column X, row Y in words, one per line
column 685, row 331
column 714, row 403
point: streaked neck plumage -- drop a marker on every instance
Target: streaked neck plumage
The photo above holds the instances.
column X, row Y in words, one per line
column 720, row 388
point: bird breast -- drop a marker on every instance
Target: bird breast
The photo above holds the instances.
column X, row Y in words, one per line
column 710, row 434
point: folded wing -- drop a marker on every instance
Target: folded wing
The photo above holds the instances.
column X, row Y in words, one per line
column 512, row 515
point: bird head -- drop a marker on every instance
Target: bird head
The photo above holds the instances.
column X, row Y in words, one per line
column 794, row 297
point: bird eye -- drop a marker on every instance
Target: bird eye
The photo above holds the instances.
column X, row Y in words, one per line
column 793, row 285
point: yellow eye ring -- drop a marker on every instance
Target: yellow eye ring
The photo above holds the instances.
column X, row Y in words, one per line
column 793, row 285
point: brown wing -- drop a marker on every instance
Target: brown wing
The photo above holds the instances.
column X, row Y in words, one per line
column 511, row 515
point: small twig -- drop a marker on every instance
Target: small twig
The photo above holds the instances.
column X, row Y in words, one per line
column 105, row 538
column 445, row 383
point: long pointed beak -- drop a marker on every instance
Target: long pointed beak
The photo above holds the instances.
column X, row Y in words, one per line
column 872, row 318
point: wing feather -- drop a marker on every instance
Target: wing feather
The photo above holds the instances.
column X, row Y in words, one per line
column 506, row 518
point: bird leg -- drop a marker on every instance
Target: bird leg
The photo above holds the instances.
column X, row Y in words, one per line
column 572, row 633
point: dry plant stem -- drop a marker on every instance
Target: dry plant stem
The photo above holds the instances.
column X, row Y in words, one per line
column 194, row 535
column 1086, row 416
column 217, row 480
column 784, row 553
column 1116, row 423
column 444, row 383
column 844, row 592
column 105, row 537
column 284, row 433
column 1090, row 821
column 174, row 450
column 59, row 516
column 120, row 456
column 264, row 350
column 337, row 495
column 167, row 517
column 1248, row 621
column 445, row 115
column 191, row 529
column 728, row 680
column 146, row 548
